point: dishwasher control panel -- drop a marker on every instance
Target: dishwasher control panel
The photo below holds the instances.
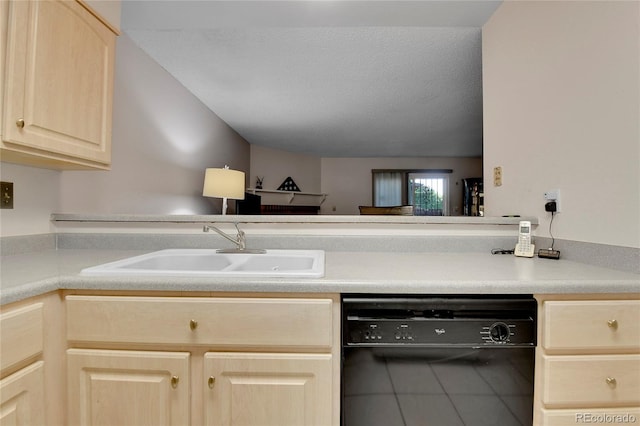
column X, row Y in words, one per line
column 439, row 322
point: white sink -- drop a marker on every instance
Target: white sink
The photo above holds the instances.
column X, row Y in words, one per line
column 209, row 263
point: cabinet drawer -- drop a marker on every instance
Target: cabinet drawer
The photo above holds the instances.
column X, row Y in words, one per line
column 611, row 416
column 591, row 380
column 22, row 334
column 612, row 325
column 247, row 322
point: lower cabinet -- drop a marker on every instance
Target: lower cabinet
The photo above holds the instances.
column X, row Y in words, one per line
column 250, row 361
column 141, row 388
column 267, row 389
column 22, row 397
column 587, row 360
column 22, row 386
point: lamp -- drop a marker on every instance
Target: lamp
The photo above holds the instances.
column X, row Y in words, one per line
column 224, row 183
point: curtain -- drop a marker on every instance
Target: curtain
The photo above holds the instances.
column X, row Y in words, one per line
column 387, row 189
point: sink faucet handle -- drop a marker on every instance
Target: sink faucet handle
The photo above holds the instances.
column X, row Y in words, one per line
column 240, row 238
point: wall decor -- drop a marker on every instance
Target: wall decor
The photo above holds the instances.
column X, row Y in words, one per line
column 288, row 185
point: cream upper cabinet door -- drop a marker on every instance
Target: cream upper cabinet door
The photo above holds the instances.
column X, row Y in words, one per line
column 22, row 397
column 136, row 388
column 258, row 389
column 58, row 86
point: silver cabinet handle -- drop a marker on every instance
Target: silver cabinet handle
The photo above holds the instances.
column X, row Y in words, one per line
column 613, row 324
column 20, row 123
column 193, row 324
column 611, row 381
column 211, row 382
column 174, row 381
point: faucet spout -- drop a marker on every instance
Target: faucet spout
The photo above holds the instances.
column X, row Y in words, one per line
column 239, row 240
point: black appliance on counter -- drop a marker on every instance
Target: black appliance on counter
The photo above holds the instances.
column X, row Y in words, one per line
column 442, row 360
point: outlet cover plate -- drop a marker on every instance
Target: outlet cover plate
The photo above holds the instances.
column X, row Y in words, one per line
column 553, row 195
column 497, row 176
column 6, row 195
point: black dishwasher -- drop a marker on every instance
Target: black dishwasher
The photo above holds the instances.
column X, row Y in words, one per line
column 438, row 361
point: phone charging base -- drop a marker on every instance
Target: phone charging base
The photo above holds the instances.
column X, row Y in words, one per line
column 549, row 254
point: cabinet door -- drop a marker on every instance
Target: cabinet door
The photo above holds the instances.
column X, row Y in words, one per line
column 22, row 397
column 267, row 389
column 108, row 387
column 59, row 85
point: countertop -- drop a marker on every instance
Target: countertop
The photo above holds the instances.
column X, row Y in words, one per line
column 288, row 219
column 26, row 275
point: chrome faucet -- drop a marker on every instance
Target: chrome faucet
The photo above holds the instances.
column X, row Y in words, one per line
column 239, row 240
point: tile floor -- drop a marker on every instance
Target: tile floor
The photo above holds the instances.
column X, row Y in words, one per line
column 464, row 387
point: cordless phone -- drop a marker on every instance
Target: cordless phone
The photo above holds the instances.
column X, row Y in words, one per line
column 524, row 248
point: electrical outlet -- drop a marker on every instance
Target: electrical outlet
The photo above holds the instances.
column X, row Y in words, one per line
column 497, row 176
column 6, row 195
column 553, row 195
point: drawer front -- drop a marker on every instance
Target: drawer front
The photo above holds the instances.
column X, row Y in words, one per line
column 22, row 332
column 247, row 322
column 591, row 381
column 612, row 325
column 612, row 416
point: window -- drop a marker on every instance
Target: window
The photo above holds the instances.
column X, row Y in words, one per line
column 426, row 190
column 428, row 194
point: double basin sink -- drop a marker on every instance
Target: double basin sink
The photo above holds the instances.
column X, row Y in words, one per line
column 210, row 263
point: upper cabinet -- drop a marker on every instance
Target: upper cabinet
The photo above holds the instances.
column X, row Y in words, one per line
column 109, row 11
column 57, row 84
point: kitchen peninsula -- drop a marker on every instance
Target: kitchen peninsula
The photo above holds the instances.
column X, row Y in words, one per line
column 372, row 254
column 199, row 338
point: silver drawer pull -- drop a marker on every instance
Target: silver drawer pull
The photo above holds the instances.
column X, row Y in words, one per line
column 211, row 382
column 611, row 381
column 613, row 324
column 193, row 324
column 174, row 381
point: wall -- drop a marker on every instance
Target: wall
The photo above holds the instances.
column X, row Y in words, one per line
column 347, row 181
column 561, row 110
column 163, row 140
column 275, row 166
column 35, row 196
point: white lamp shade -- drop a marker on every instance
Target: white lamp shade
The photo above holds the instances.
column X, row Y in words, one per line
column 224, row 183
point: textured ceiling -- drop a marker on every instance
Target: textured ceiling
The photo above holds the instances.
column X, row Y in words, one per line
column 328, row 78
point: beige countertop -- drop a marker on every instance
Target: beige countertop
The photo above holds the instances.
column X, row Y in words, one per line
column 26, row 275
